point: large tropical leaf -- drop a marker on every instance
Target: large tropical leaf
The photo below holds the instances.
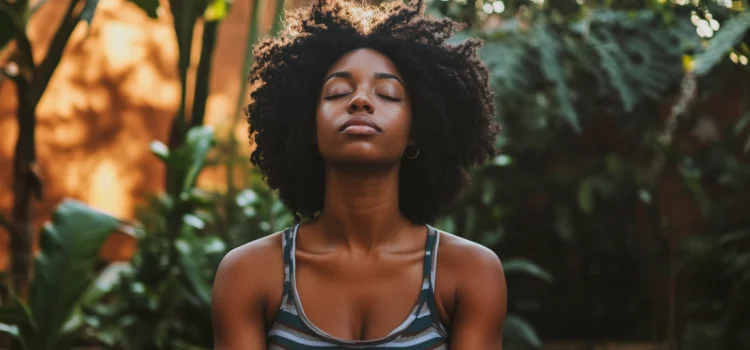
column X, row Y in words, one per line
column 527, row 267
column 18, row 315
column 64, row 269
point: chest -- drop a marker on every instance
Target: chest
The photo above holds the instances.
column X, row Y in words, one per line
column 359, row 298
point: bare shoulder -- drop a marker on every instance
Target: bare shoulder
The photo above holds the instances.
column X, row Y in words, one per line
column 466, row 271
column 473, row 293
column 247, row 284
column 252, row 258
column 467, row 258
column 251, row 275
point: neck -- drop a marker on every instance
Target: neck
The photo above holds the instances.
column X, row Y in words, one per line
column 361, row 207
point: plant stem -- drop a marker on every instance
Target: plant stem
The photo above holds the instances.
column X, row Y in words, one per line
column 54, row 54
column 184, row 16
column 25, row 184
column 276, row 27
column 203, row 74
column 26, row 180
column 252, row 37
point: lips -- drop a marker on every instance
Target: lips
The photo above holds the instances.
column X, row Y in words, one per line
column 359, row 125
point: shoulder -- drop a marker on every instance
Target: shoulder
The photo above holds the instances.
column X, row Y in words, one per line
column 467, row 259
column 467, row 271
column 246, row 287
column 251, row 274
column 475, row 295
column 252, row 258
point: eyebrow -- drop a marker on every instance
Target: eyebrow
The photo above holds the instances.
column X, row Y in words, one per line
column 378, row 75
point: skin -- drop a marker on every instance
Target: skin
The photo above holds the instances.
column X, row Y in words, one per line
column 359, row 264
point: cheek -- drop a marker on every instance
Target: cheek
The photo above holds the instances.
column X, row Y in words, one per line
column 404, row 122
column 323, row 119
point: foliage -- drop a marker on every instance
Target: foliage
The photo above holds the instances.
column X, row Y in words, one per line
column 31, row 82
column 162, row 298
column 587, row 187
column 592, row 168
column 65, row 272
column 154, row 303
column 734, row 30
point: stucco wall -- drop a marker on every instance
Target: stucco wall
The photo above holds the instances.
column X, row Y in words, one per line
column 115, row 90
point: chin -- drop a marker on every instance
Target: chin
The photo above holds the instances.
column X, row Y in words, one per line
column 361, row 159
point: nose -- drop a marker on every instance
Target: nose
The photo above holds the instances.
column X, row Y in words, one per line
column 360, row 103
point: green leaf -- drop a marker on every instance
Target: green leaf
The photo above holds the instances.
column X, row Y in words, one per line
column 246, row 198
column 527, row 267
column 150, row 7
column 217, row 10
column 611, row 63
column 552, row 69
column 159, row 149
column 10, row 23
column 519, row 331
column 106, row 282
column 15, row 315
column 192, row 260
column 14, row 331
column 729, row 35
column 87, row 14
column 17, row 321
column 199, row 141
column 10, row 329
column 733, row 237
column 12, row 26
column 64, row 269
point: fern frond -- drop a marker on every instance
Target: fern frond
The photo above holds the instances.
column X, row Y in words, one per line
column 550, row 57
column 732, row 32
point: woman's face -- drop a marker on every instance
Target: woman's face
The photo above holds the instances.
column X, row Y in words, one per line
column 363, row 114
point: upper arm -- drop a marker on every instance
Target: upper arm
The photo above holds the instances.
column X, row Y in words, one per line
column 481, row 299
column 237, row 303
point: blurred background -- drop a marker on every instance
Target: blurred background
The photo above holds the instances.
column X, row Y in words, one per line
column 620, row 205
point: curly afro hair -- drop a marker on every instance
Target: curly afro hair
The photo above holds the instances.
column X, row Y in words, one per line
column 453, row 107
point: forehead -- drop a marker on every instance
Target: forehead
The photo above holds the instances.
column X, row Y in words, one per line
column 364, row 60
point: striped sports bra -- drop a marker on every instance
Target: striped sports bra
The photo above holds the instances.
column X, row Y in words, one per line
column 422, row 329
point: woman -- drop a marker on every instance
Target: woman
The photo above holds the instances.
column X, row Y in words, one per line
column 366, row 121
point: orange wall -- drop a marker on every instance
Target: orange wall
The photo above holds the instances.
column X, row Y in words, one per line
column 115, row 90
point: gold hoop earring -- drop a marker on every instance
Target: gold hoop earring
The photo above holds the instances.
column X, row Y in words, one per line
column 407, row 155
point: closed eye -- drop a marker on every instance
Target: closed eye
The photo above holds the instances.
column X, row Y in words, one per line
column 333, row 97
column 390, row 98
